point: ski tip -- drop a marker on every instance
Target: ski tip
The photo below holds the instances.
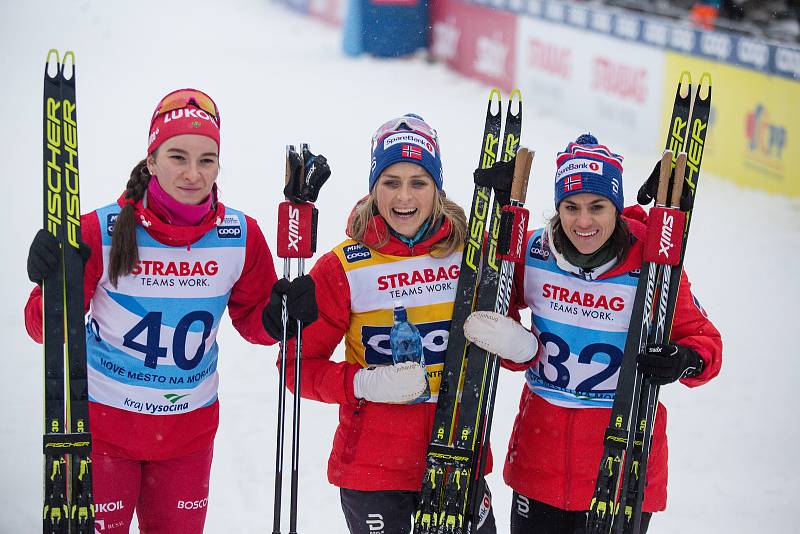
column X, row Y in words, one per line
column 68, row 61
column 685, row 84
column 52, row 64
column 515, row 102
column 495, row 104
column 705, row 83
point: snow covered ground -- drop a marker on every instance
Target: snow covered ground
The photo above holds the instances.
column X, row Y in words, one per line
column 281, row 78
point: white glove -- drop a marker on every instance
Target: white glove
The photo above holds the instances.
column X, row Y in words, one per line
column 394, row 384
column 501, row 335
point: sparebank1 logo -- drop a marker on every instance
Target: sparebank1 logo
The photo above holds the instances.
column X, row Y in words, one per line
column 764, row 137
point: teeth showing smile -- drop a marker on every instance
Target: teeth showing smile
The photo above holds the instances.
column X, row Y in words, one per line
column 404, row 212
column 585, row 234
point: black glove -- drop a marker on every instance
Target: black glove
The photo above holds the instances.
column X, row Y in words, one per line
column 664, row 363
column 649, row 190
column 301, row 304
column 307, row 174
column 44, row 256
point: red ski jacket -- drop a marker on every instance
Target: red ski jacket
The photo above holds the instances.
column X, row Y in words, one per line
column 554, row 452
column 376, row 446
column 155, row 437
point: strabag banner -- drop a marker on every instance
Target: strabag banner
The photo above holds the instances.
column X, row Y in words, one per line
column 610, row 87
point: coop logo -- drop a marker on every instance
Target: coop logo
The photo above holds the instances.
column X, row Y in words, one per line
column 354, row 253
column 111, row 219
column 575, row 166
column 537, row 250
column 378, row 351
column 230, row 228
column 764, row 137
column 229, row 232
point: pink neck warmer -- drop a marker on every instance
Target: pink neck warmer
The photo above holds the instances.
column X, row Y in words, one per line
column 173, row 212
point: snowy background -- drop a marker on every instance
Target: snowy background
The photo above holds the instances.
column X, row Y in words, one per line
column 280, row 78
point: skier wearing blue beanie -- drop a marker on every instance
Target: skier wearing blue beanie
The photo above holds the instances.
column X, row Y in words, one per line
column 579, row 282
column 404, row 242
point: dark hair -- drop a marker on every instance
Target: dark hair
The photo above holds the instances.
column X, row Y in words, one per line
column 124, row 250
column 620, row 239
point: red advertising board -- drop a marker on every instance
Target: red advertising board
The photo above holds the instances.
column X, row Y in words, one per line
column 475, row 40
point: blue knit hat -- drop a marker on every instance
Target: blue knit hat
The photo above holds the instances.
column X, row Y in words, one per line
column 589, row 167
column 408, row 138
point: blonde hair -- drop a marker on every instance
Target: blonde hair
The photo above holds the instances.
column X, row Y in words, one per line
column 366, row 210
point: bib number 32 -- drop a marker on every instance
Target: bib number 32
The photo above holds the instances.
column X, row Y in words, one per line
column 557, row 361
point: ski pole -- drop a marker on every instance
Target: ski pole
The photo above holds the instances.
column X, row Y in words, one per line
column 297, row 238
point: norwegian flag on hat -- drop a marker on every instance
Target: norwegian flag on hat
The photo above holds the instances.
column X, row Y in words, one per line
column 573, row 183
column 412, row 152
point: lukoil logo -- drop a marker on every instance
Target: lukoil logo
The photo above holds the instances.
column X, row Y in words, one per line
column 377, row 350
column 764, row 136
column 108, row 506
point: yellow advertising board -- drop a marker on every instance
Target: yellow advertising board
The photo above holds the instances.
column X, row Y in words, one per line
column 754, row 128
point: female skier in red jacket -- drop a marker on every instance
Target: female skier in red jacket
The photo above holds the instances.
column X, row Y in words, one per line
column 164, row 261
column 405, row 242
column 579, row 279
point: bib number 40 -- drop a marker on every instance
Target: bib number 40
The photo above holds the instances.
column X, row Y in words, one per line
column 152, row 349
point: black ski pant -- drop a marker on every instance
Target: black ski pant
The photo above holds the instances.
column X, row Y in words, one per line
column 388, row 512
column 534, row 517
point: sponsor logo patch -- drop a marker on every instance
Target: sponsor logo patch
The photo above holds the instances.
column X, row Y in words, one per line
column 377, row 350
column 537, row 251
column 111, row 219
column 354, row 253
column 410, row 138
column 578, row 165
column 229, row 229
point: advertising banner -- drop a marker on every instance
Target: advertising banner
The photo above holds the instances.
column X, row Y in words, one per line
column 330, row 11
column 475, row 40
column 594, row 81
column 754, row 131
